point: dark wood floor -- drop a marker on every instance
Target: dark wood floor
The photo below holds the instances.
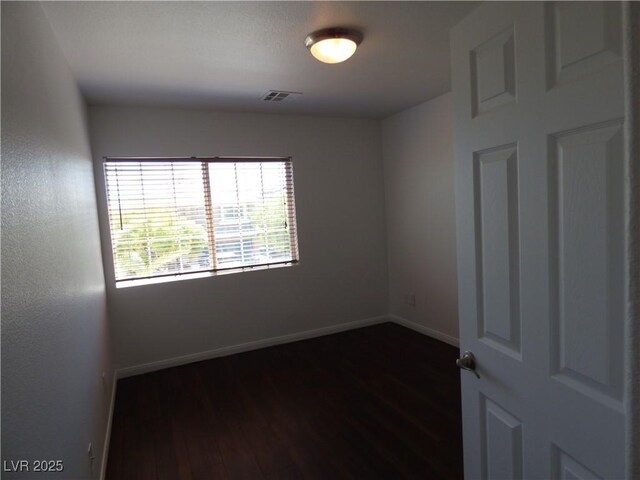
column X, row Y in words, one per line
column 378, row 402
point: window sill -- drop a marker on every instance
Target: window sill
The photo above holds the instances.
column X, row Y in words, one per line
column 193, row 276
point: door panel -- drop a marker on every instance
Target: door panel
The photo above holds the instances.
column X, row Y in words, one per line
column 502, row 437
column 496, row 187
column 539, row 191
column 566, row 468
column 493, row 73
column 581, row 38
column 586, row 177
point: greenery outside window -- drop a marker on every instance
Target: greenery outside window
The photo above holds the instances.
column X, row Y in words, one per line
column 171, row 217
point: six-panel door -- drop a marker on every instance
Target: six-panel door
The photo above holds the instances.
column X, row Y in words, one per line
column 539, row 190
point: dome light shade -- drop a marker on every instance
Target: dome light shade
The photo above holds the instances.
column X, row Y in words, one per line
column 333, row 45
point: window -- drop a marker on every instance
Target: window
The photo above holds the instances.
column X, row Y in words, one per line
column 182, row 216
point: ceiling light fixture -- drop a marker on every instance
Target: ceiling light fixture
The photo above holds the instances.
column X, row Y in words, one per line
column 333, row 45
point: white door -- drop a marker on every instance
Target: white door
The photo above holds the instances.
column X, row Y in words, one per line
column 539, row 189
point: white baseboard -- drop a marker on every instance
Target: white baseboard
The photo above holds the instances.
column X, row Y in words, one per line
column 430, row 332
column 245, row 347
column 269, row 342
column 107, row 437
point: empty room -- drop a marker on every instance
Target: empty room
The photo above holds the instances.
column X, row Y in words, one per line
column 320, row 240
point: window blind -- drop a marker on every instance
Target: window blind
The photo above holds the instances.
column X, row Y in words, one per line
column 181, row 216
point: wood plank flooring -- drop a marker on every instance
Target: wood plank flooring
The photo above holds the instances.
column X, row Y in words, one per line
column 377, row 402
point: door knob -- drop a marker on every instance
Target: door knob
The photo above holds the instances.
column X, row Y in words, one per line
column 467, row 362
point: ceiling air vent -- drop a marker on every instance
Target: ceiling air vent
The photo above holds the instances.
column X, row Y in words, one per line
column 280, row 96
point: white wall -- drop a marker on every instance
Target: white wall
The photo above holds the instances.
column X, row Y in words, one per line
column 342, row 275
column 54, row 323
column 419, row 188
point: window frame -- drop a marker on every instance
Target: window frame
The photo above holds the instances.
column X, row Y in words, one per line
column 204, row 273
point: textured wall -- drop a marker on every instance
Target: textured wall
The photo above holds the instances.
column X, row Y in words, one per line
column 54, row 322
column 420, row 202
column 341, row 276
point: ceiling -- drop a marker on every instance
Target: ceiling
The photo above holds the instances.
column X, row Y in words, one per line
column 227, row 55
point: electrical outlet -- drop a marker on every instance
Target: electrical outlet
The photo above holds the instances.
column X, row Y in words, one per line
column 410, row 299
column 91, row 456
